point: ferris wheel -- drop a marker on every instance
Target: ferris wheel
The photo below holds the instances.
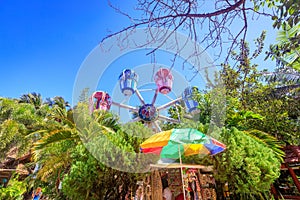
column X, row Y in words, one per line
column 150, row 113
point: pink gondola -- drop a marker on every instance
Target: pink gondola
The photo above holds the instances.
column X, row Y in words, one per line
column 100, row 100
column 164, row 80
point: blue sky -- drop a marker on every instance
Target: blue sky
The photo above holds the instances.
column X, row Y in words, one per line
column 43, row 43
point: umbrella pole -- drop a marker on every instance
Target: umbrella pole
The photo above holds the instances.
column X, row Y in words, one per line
column 181, row 170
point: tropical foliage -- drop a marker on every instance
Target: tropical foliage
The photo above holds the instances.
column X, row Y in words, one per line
column 248, row 165
column 83, row 156
column 14, row 190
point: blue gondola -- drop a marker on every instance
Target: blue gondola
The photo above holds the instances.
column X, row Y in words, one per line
column 188, row 98
column 128, row 82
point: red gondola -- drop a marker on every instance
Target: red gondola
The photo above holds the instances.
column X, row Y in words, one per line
column 100, row 100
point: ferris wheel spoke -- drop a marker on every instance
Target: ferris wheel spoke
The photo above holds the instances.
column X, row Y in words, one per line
column 157, row 127
column 135, row 119
column 155, row 96
column 148, row 125
column 169, row 104
column 162, row 117
column 125, row 106
column 140, row 96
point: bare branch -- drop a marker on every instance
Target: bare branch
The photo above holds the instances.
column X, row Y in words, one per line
column 207, row 22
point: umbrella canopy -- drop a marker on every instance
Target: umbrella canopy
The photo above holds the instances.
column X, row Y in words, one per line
column 175, row 143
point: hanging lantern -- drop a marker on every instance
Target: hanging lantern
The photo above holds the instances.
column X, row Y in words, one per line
column 190, row 103
column 128, row 82
column 164, row 80
column 100, row 100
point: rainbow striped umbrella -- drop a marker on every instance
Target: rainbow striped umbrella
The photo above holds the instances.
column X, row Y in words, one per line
column 176, row 143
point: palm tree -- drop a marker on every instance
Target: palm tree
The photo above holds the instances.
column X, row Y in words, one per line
column 59, row 126
column 61, row 129
column 287, row 51
column 32, row 98
column 287, row 55
column 58, row 101
column 57, row 137
column 67, row 130
column 74, row 124
column 16, row 120
column 286, row 80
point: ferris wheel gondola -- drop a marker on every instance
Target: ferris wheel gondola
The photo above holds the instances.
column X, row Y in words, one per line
column 148, row 113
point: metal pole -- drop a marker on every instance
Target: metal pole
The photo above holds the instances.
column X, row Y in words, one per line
column 181, row 170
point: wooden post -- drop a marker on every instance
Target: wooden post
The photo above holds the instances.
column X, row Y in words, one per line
column 295, row 179
column 274, row 192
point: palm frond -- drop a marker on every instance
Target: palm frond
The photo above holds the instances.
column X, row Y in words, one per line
column 269, row 141
column 38, row 132
column 32, row 98
column 55, row 136
column 287, row 51
column 51, row 165
column 106, row 119
column 287, row 82
column 287, row 89
column 63, row 116
column 92, row 130
column 57, row 102
column 282, row 75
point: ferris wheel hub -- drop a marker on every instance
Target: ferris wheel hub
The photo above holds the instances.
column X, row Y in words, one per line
column 148, row 112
